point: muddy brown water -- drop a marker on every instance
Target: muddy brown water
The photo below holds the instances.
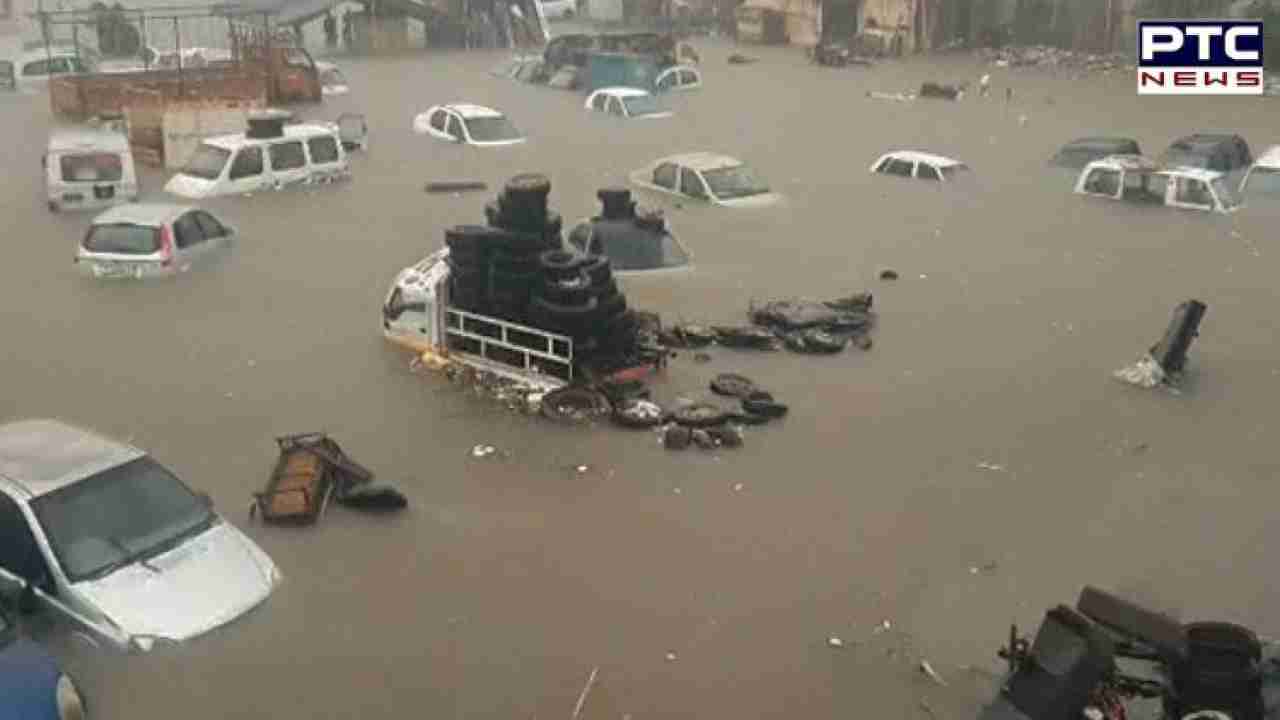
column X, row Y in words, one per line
column 511, row 577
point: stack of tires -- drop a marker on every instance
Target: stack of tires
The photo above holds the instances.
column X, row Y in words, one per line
column 494, row 269
column 578, row 297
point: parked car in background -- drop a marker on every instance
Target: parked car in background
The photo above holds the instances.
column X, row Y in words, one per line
column 30, row 72
column 678, row 77
column 467, row 124
column 139, row 241
column 88, row 169
column 1263, row 179
column 626, row 102
column 1218, row 152
column 920, row 165
column 1136, row 179
column 98, row 530
column 709, row 177
column 1082, row 151
column 558, row 9
column 32, row 684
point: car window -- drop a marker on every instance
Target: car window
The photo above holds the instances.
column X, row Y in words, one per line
column 691, row 184
column 37, row 68
column 59, row 66
column 615, row 107
column 287, row 155
column 248, row 163
column 122, row 238
column 665, row 176
column 899, row 167
column 19, row 553
column 688, row 77
column 209, row 225
column 925, row 171
column 666, row 81
column 597, row 102
column 323, row 149
column 454, row 128
column 1263, row 181
column 187, row 232
column 1102, row 181
column 437, row 120
column 91, row 167
column 1193, row 192
column 121, row 515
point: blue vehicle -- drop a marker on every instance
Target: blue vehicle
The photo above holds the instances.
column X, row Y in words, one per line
column 32, row 685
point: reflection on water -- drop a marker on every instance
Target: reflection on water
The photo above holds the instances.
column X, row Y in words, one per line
column 511, row 578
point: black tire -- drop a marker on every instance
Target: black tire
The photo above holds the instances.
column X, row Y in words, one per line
column 599, row 269
column 570, row 291
column 746, row 418
column 474, row 238
column 525, row 242
column 515, row 264
column 611, row 306
column 619, row 392
column 574, row 404
column 528, row 185
column 731, row 385
column 468, row 281
column 520, row 215
column 522, row 282
column 677, row 437
column 725, row 436
column 630, row 413
column 572, row 320
column 493, row 214
column 762, row 403
column 467, row 259
column 561, row 264
column 700, row 415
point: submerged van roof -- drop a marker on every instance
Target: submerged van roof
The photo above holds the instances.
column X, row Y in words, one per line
column 1270, row 158
column 72, row 139
column 299, row 131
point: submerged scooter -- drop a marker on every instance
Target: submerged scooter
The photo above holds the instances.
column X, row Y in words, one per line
column 1109, row 659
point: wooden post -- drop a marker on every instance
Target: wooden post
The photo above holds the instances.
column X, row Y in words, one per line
column 1171, row 352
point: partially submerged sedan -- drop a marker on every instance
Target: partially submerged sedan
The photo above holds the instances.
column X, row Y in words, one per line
column 708, row 177
column 1082, row 151
column 919, row 165
column 102, row 535
column 626, row 102
column 1139, row 180
column 467, row 124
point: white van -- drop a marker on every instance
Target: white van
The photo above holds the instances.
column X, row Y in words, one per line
column 271, row 155
column 30, row 72
column 87, row 169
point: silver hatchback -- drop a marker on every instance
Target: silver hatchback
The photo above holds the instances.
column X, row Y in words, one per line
column 108, row 539
column 142, row 240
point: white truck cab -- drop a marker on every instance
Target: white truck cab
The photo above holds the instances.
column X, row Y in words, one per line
column 1137, row 179
column 416, row 315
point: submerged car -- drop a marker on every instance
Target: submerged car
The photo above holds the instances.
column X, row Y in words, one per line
column 88, row 169
column 1218, row 152
column 1263, row 179
column 709, row 177
column 137, row 241
column 1139, row 180
column 634, row 241
column 467, row 124
column 920, row 165
column 1082, row 151
column 626, row 102
column 32, row 684
column 678, row 77
column 98, row 531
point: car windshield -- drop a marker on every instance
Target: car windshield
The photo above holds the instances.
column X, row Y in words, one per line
column 207, row 162
column 642, row 250
column 91, row 167
column 120, row 516
column 638, row 105
column 491, row 129
column 1263, row 181
column 734, row 182
column 1225, row 194
column 123, row 239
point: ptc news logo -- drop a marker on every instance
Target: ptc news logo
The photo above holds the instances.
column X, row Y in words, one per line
column 1200, row 57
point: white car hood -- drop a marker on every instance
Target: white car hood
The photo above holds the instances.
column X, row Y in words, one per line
column 206, row 582
column 188, row 186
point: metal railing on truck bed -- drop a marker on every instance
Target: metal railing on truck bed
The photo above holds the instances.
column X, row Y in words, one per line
column 508, row 349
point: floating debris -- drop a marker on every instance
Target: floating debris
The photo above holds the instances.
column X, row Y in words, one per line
column 990, row 466
column 835, row 642
column 932, row 674
column 482, row 451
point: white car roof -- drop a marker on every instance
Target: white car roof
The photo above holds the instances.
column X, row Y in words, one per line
column 300, row 131
column 622, row 91
column 1270, row 158
column 924, row 157
column 71, row 139
column 468, row 111
column 701, row 161
column 40, row 456
column 146, row 214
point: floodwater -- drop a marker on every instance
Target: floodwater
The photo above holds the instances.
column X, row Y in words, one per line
column 512, row 577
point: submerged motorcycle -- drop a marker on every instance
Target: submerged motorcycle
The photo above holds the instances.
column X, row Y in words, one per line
column 1109, row 659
